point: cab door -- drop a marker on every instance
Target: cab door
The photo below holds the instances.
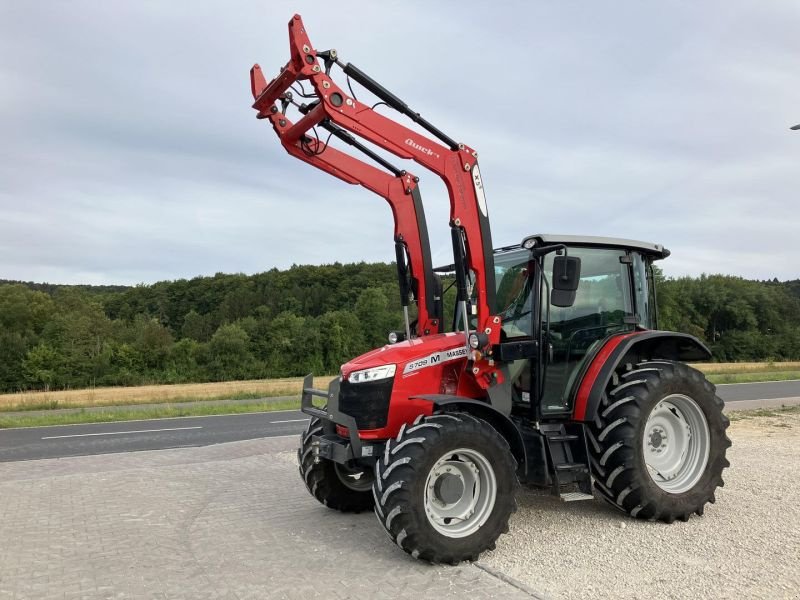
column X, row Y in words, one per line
column 603, row 306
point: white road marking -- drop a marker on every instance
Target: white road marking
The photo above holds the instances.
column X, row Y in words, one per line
column 289, row 421
column 58, row 437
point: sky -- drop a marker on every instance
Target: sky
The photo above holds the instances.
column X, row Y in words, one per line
column 129, row 151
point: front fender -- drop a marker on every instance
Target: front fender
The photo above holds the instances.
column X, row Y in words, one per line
column 622, row 348
column 488, row 413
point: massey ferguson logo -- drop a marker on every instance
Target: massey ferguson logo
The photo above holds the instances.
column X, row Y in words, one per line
column 435, row 359
column 416, row 146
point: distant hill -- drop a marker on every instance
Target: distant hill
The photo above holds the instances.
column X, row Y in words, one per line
column 50, row 288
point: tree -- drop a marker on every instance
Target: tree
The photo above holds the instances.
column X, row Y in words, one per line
column 229, row 354
column 377, row 319
column 184, row 362
column 13, row 347
column 153, row 342
column 341, row 339
column 196, row 326
column 41, row 366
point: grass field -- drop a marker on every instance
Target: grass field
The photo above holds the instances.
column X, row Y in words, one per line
column 188, row 399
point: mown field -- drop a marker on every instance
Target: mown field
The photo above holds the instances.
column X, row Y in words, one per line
column 156, row 394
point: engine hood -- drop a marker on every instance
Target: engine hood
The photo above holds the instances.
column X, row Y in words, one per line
column 413, row 355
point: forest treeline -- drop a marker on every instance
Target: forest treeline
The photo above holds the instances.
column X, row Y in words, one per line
column 304, row 319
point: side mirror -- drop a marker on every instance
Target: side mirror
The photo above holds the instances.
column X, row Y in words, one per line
column 566, row 276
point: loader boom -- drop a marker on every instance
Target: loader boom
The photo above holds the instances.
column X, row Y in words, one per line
column 400, row 190
column 455, row 163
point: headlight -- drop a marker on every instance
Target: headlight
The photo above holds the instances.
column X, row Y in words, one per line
column 478, row 340
column 373, row 374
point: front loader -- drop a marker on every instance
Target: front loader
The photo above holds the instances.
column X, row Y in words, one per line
column 555, row 374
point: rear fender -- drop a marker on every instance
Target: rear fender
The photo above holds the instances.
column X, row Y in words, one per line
column 488, row 413
column 630, row 347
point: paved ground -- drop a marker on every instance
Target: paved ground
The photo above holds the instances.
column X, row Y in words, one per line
column 81, row 440
column 234, row 521
column 225, row 521
column 746, row 545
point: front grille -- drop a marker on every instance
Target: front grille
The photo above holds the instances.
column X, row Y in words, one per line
column 367, row 403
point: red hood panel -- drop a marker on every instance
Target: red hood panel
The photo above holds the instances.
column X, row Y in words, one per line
column 412, row 355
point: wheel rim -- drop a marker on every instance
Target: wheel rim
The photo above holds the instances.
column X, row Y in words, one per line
column 358, row 480
column 676, row 443
column 460, row 493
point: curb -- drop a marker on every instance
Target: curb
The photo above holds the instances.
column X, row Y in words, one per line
column 737, row 405
column 509, row 580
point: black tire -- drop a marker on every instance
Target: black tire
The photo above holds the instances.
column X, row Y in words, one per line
column 617, row 447
column 401, row 474
column 325, row 480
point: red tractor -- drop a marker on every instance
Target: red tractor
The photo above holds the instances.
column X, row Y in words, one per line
column 553, row 374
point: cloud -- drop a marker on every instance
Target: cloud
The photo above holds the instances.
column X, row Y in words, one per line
column 129, row 151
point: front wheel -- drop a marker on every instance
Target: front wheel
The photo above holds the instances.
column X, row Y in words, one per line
column 658, row 443
column 341, row 487
column 444, row 489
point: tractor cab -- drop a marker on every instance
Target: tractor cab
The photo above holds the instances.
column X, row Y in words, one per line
column 613, row 292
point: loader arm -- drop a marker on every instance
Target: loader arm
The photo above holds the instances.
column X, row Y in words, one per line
column 401, row 191
column 455, row 163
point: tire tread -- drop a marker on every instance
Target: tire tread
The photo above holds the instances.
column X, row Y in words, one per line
column 613, row 442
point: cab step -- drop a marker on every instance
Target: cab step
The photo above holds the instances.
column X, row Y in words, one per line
column 562, row 437
column 579, row 467
column 575, row 496
column 568, row 457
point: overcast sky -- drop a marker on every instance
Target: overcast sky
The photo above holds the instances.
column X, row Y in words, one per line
column 129, row 151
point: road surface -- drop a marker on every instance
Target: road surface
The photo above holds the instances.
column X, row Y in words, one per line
column 130, row 436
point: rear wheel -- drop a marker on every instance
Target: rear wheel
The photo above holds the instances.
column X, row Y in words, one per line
column 347, row 488
column 444, row 489
column 658, row 443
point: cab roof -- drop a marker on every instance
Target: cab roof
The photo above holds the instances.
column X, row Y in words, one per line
column 547, row 239
column 657, row 251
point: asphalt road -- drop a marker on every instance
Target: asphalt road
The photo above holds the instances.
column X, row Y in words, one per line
column 32, row 443
column 130, row 436
column 734, row 392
